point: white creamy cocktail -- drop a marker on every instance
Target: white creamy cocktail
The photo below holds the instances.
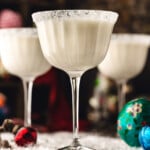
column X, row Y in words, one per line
column 75, row 41
column 126, row 58
column 22, row 56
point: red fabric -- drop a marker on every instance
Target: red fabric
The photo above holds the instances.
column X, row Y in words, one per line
column 50, row 78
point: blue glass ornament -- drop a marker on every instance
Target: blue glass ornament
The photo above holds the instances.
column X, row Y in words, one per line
column 144, row 137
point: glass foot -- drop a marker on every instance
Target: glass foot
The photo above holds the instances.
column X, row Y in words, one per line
column 75, row 148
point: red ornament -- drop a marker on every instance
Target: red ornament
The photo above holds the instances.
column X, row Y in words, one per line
column 26, row 136
column 10, row 18
column 144, row 123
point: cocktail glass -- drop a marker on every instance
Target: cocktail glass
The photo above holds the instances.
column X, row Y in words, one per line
column 22, row 56
column 125, row 59
column 75, row 41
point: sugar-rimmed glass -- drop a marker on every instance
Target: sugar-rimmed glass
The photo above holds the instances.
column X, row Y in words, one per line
column 22, row 56
column 75, row 41
column 125, row 59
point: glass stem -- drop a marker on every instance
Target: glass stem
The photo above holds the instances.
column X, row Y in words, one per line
column 75, row 82
column 121, row 95
column 27, row 86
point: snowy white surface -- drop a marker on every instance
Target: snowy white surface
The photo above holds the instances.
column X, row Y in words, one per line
column 57, row 140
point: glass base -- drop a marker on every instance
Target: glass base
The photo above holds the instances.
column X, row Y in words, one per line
column 75, row 148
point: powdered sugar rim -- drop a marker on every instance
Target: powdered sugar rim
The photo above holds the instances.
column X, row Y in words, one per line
column 22, row 31
column 131, row 37
column 99, row 15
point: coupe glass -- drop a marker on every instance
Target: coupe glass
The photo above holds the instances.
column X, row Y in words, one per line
column 125, row 59
column 22, row 56
column 75, row 41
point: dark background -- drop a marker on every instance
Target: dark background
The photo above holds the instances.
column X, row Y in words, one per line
column 134, row 18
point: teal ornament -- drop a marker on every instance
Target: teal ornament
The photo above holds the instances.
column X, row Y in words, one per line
column 134, row 115
column 144, row 137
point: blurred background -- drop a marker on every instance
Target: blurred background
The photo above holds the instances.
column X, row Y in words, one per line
column 51, row 106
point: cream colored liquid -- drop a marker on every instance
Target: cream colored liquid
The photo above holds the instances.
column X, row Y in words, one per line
column 22, row 55
column 124, row 60
column 74, row 45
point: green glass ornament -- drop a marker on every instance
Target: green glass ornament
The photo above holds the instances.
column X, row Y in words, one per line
column 134, row 115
